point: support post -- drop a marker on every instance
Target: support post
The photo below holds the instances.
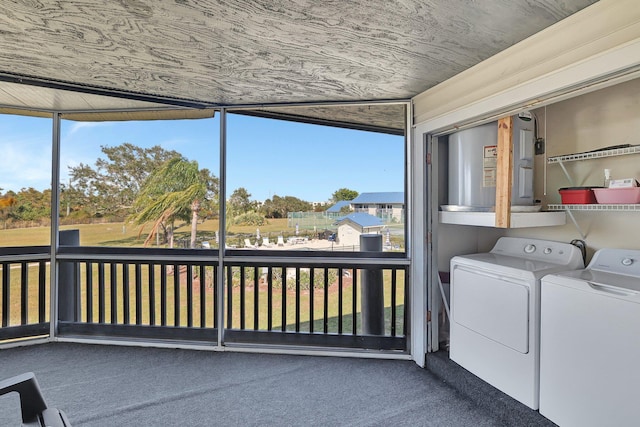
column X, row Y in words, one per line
column 504, row 177
column 372, row 289
column 68, row 277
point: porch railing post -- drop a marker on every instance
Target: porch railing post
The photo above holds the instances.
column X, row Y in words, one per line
column 372, row 289
column 68, row 280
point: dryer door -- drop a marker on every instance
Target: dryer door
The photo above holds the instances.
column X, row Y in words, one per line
column 491, row 305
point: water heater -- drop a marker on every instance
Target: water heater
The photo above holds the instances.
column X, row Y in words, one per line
column 473, row 165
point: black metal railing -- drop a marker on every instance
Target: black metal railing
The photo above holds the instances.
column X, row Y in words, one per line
column 147, row 293
column 139, row 293
column 284, row 298
column 24, row 292
column 304, row 300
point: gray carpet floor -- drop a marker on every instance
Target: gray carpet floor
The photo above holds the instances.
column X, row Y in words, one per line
column 133, row 386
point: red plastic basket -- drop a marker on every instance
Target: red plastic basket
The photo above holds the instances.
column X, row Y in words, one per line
column 577, row 196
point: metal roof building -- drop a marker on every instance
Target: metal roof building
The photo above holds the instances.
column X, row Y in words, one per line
column 350, row 228
column 338, row 206
column 391, row 197
column 361, row 219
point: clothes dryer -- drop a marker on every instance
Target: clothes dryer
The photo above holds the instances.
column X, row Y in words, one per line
column 495, row 311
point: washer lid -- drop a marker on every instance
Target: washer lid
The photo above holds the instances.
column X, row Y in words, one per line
column 595, row 279
column 609, row 269
column 512, row 265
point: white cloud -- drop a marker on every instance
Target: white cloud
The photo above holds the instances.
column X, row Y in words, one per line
column 173, row 144
column 77, row 126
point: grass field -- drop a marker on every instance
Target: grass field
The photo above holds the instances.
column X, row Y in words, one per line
column 116, row 234
column 121, row 234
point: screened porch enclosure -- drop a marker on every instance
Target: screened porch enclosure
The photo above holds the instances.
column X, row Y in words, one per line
column 288, row 290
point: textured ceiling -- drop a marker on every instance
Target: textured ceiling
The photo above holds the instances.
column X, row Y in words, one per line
column 209, row 53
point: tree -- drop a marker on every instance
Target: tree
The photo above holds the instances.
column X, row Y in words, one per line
column 173, row 192
column 278, row 207
column 81, row 194
column 240, row 202
column 346, row 210
column 343, row 194
column 7, row 201
column 111, row 187
column 30, row 204
column 209, row 205
column 76, row 202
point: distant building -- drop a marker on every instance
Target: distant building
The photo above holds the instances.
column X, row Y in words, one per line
column 350, row 228
column 338, row 206
column 318, row 204
column 386, row 205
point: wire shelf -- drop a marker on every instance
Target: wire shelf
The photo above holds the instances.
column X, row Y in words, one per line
column 598, row 207
column 634, row 149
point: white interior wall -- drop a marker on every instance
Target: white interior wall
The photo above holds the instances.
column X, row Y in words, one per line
column 463, row 239
column 609, row 116
column 455, row 240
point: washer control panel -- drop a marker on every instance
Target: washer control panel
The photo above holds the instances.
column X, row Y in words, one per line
column 622, row 261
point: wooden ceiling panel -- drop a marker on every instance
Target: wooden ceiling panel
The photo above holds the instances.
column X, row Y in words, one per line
column 214, row 52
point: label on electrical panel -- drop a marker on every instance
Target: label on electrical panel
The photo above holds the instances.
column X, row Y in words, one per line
column 489, row 165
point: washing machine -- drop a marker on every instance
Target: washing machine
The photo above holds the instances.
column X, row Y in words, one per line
column 495, row 311
column 590, row 342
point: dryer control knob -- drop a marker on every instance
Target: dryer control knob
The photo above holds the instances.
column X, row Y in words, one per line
column 547, row 251
column 627, row 261
column 530, row 249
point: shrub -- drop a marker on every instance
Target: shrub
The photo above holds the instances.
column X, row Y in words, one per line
column 305, row 279
column 249, row 218
column 276, row 277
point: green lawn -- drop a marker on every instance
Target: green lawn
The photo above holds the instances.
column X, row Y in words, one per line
column 116, row 234
column 121, row 234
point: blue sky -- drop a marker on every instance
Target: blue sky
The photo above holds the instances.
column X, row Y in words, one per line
column 266, row 157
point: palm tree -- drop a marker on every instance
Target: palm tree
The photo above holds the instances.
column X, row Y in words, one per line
column 172, row 192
